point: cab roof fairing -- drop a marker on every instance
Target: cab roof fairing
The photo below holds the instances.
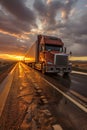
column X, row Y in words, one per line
column 51, row 40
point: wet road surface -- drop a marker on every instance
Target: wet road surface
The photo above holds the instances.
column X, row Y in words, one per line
column 79, row 83
column 44, row 102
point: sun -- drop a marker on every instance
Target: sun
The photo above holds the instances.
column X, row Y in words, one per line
column 19, row 58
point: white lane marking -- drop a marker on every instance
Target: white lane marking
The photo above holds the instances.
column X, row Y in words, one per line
column 78, row 95
column 68, row 97
column 4, row 89
column 77, row 72
column 74, row 81
column 65, row 95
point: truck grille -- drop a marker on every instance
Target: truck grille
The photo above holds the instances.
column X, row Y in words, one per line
column 61, row 60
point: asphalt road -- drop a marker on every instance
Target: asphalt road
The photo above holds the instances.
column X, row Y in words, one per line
column 79, row 83
column 36, row 101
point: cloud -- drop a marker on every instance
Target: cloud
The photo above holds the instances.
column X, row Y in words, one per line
column 16, row 19
column 19, row 25
column 47, row 11
column 53, row 8
column 78, row 49
column 67, row 8
column 80, row 27
column 14, row 27
column 77, row 28
column 50, row 9
column 19, row 10
column 9, row 44
column 70, row 28
column 41, row 8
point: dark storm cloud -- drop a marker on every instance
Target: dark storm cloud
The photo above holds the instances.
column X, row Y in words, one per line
column 15, row 18
column 19, row 10
column 49, row 11
column 77, row 29
column 80, row 27
column 40, row 7
column 11, row 25
column 74, row 31
column 81, row 41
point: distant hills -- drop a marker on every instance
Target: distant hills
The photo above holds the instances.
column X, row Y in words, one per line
column 6, row 60
column 78, row 59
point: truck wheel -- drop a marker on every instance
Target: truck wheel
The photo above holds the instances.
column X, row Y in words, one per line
column 43, row 69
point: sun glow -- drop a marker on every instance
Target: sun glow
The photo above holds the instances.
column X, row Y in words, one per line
column 48, row 1
column 82, row 58
column 27, row 59
column 11, row 57
column 63, row 14
column 22, row 36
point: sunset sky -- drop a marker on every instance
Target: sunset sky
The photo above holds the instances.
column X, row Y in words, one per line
column 22, row 20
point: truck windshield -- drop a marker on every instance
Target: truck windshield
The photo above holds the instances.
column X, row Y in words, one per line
column 54, row 48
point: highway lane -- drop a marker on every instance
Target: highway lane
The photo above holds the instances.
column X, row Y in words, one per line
column 79, row 83
column 58, row 99
column 75, row 83
column 64, row 85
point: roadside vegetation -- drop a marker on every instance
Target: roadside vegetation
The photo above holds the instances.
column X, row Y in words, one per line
column 5, row 68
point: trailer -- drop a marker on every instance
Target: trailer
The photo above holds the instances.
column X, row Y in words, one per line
column 48, row 55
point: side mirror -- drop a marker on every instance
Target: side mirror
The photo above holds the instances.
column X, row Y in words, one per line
column 65, row 49
column 70, row 53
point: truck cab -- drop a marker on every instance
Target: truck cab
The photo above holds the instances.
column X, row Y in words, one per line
column 47, row 54
column 52, row 55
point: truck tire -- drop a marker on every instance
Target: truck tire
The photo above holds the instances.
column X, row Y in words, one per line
column 43, row 69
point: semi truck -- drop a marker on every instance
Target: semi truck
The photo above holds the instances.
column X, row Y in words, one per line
column 48, row 55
